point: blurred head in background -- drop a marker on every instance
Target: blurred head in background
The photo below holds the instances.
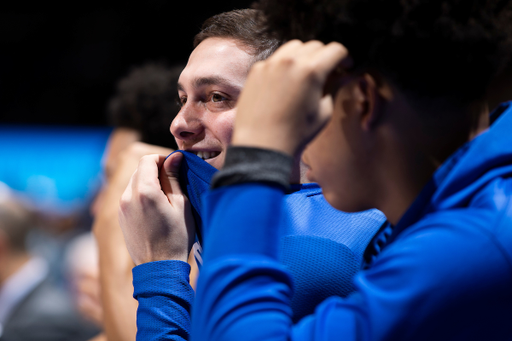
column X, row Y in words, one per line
column 145, row 101
column 141, row 110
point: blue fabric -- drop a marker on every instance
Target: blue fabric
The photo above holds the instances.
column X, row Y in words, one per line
column 161, row 282
column 444, row 271
column 195, row 178
column 320, row 246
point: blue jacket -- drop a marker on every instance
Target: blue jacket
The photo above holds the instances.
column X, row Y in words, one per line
column 445, row 273
column 321, row 247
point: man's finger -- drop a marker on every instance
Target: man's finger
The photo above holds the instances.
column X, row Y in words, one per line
column 169, row 174
column 329, row 58
column 148, row 170
column 287, row 48
column 309, row 48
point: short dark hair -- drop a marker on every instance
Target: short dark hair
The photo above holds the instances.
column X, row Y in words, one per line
column 16, row 221
column 246, row 26
column 145, row 100
column 443, row 49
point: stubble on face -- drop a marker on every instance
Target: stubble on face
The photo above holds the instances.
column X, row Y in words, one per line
column 209, row 87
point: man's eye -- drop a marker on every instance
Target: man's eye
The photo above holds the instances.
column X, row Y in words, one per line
column 217, row 98
column 180, row 101
column 216, row 102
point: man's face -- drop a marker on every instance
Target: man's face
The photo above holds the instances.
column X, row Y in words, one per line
column 208, row 89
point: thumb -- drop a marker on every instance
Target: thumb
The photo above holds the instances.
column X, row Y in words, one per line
column 169, row 175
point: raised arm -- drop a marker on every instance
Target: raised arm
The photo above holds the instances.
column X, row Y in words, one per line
column 158, row 227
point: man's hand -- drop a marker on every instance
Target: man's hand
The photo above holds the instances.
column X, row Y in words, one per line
column 106, row 227
column 283, row 106
column 154, row 214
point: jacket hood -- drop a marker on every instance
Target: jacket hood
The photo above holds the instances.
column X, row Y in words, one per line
column 474, row 165
column 466, row 172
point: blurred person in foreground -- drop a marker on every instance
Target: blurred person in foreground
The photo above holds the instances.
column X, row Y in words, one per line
column 140, row 112
column 32, row 307
column 397, row 119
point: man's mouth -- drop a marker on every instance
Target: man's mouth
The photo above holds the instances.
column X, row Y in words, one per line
column 206, row 155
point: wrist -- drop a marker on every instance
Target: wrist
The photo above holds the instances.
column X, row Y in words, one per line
column 264, row 140
column 162, row 256
column 250, row 164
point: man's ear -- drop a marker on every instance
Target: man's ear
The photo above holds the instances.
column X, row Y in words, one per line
column 373, row 93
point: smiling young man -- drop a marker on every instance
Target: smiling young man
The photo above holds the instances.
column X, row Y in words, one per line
column 208, row 90
column 413, row 139
column 156, row 218
column 210, row 85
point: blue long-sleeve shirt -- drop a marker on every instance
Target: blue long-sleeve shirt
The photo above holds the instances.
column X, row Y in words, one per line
column 321, row 247
column 445, row 273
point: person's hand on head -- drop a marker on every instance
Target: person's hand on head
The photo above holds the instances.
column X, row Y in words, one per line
column 154, row 214
column 283, row 104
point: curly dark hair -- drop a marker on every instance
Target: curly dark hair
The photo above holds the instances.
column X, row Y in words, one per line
column 445, row 49
column 146, row 101
column 244, row 25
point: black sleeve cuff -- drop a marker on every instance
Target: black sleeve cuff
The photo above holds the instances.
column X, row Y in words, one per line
column 247, row 164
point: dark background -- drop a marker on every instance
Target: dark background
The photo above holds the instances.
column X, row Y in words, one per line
column 59, row 62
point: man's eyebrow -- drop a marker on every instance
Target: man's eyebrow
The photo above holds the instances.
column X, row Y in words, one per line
column 213, row 80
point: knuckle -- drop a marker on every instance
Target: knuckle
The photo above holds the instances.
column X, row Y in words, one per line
column 314, row 43
column 147, row 197
column 124, row 203
column 259, row 65
column 287, row 61
column 144, row 159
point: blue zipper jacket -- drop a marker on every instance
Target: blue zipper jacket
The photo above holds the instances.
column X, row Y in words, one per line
column 444, row 274
column 321, row 247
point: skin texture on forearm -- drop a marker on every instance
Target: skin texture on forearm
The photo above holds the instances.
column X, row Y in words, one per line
column 115, row 276
column 115, row 263
column 120, row 308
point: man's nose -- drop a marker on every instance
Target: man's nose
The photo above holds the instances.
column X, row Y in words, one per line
column 188, row 124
